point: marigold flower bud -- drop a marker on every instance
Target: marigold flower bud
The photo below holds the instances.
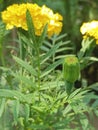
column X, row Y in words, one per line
column 71, row 68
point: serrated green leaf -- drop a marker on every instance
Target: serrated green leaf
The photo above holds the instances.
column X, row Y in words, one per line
column 43, row 35
column 25, row 39
column 16, row 110
column 94, row 86
column 44, row 48
column 24, row 79
column 47, row 43
column 27, row 112
column 25, row 65
column 38, row 126
column 51, row 67
column 50, row 53
column 91, row 58
column 64, row 49
column 56, row 38
column 52, row 84
column 13, row 94
column 2, row 105
column 77, row 93
column 31, row 29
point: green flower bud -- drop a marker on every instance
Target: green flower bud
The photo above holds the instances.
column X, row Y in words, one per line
column 71, row 68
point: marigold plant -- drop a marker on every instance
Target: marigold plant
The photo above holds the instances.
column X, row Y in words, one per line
column 41, row 84
column 15, row 16
column 90, row 29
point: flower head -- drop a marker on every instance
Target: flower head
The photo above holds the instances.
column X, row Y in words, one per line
column 15, row 16
column 90, row 29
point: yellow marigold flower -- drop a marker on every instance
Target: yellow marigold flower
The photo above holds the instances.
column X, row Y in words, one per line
column 15, row 16
column 90, row 29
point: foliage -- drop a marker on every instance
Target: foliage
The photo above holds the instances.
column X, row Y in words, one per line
column 33, row 92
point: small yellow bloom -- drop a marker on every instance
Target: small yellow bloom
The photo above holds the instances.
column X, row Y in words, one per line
column 90, row 29
column 15, row 16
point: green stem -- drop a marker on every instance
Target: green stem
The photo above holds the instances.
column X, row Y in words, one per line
column 53, row 60
column 2, row 58
column 1, row 55
column 69, row 87
column 20, row 47
column 21, row 57
column 39, row 71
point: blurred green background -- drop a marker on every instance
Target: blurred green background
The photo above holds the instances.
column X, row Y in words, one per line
column 74, row 12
